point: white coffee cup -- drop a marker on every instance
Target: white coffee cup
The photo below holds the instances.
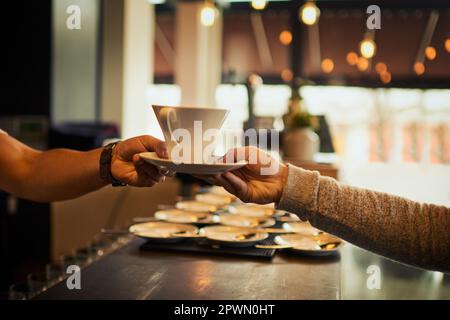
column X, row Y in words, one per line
column 185, row 130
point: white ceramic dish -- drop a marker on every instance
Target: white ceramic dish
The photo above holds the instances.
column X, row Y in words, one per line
column 245, row 221
column 233, row 236
column 163, row 231
column 213, row 199
column 308, row 245
column 181, row 216
column 303, row 228
column 191, row 168
column 253, row 210
column 196, row 206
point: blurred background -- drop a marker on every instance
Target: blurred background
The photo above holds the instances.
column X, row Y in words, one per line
column 377, row 100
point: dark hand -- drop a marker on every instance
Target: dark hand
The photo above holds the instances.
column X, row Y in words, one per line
column 128, row 167
column 251, row 183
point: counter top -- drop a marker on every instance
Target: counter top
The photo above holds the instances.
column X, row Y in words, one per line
column 131, row 273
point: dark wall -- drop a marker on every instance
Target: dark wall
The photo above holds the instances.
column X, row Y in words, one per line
column 26, row 68
column 25, row 28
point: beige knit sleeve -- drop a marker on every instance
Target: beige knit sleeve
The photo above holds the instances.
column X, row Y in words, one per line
column 400, row 229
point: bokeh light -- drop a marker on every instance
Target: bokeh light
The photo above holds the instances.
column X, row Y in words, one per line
column 287, row 75
column 352, row 58
column 309, row 13
column 285, row 37
column 363, row 64
column 430, row 53
column 367, row 48
column 208, row 15
column 419, row 68
column 385, row 77
column 327, row 65
column 259, row 4
column 380, row 67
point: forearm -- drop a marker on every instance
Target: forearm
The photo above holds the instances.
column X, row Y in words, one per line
column 47, row 176
column 401, row 229
column 62, row 174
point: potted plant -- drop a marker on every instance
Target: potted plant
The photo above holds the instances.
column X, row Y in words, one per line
column 300, row 142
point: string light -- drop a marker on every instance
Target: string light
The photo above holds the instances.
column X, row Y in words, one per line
column 367, row 47
column 385, row 77
column 447, row 45
column 419, row 68
column 309, row 13
column 287, row 75
column 352, row 58
column 380, row 67
column 259, row 4
column 327, row 65
column 208, row 14
column 285, row 37
column 363, row 64
column 430, row 53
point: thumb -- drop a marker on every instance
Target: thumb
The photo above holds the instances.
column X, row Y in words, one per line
column 161, row 149
column 153, row 144
column 137, row 160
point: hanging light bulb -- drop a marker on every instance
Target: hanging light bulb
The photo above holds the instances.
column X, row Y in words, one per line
column 430, row 53
column 285, row 37
column 309, row 13
column 447, row 45
column 419, row 68
column 327, row 65
column 368, row 48
column 259, row 4
column 287, row 75
column 363, row 64
column 208, row 14
column 385, row 77
column 352, row 58
column 381, row 67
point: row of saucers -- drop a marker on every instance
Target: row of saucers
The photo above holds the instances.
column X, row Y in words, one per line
column 221, row 218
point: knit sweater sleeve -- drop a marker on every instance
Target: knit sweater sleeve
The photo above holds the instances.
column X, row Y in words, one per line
column 398, row 228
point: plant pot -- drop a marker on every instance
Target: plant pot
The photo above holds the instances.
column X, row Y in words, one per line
column 300, row 144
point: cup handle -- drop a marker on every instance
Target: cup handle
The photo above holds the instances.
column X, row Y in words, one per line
column 168, row 117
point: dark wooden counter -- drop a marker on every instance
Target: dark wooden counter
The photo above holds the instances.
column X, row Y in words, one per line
column 130, row 273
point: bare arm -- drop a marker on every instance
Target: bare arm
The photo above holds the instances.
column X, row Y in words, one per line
column 61, row 174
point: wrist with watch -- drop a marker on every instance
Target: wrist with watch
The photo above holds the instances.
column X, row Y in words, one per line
column 105, row 165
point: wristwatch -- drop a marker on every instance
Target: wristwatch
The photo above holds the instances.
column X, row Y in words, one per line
column 105, row 165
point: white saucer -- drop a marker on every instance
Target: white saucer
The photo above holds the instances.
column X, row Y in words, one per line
column 309, row 245
column 191, row 168
column 231, row 236
column 162, row 231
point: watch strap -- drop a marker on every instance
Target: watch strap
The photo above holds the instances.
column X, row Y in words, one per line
column 105, row 165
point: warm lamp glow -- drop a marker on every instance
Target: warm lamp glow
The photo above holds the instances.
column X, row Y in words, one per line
column 287, row 75
column 363, row 64
column 447, row 45
column 327, row 65
column 430, row 53
column 259, row 4
column 385, row 77
column 208, row 15
column 367, row 47
column 352, row 58
column 285, row 37
column 380, row 67
column 309, row 13
column 419, row 68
